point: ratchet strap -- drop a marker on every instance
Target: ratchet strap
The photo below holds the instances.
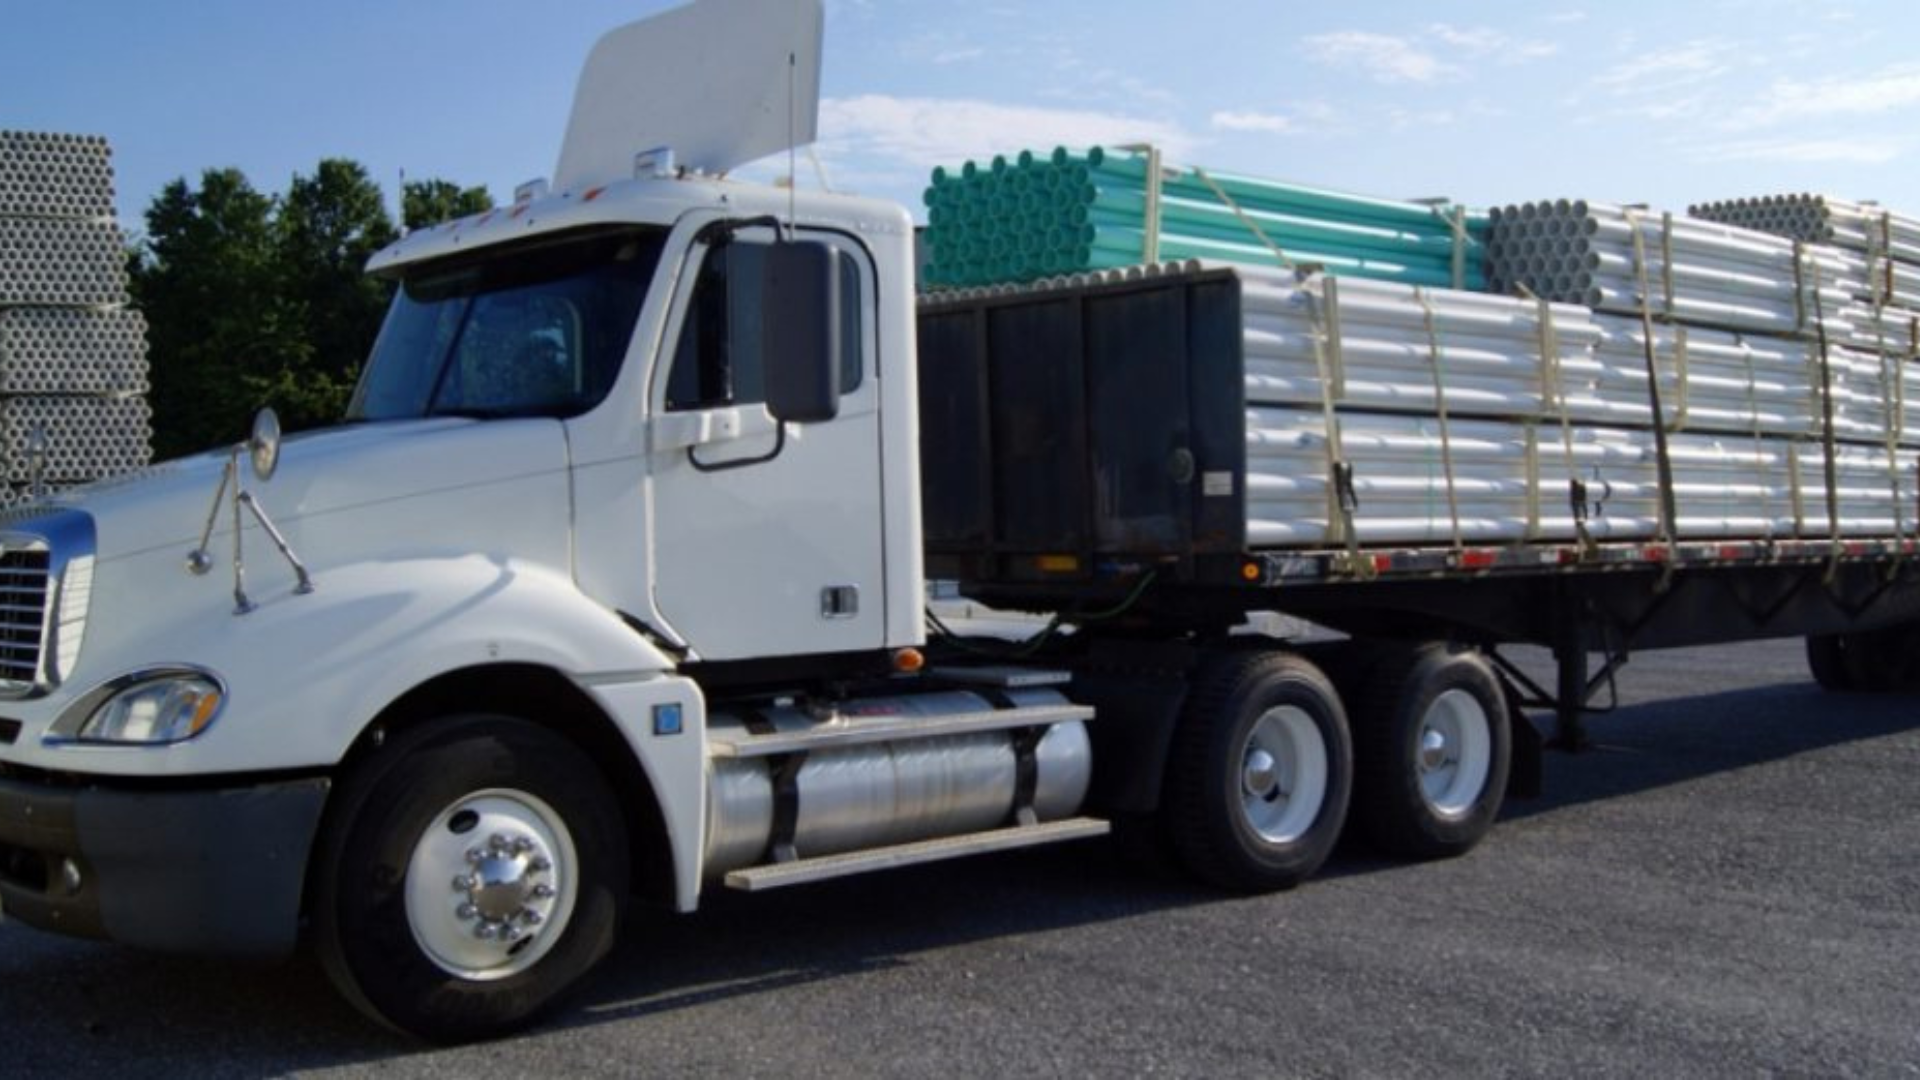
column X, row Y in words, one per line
column 1830, row 448
column 1663, row 457
column 1760, row 454
column 1342, row 501
column 1425, row 301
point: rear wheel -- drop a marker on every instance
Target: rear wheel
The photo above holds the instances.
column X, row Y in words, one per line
column 1827, row 658
column 472, row 871
column 1877, row 661
column 1258, row 781
column 1432, row 750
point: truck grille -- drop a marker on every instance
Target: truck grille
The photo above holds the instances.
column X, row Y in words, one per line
column 25, row 583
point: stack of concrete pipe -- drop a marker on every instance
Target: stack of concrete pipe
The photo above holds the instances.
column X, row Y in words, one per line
column 73, row 356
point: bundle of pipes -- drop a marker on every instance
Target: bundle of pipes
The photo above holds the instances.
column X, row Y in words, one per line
column 1033, row 216
column 1888, row 242
column 60, row 262
column 1514, row 482
column 85, row 438
column 73, row 358
column 1700, row 273
column 1476, row 418
column 72, row 351
column 50, row 175
column 1405, row 348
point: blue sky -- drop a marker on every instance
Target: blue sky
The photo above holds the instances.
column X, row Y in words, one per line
column 1489, row 103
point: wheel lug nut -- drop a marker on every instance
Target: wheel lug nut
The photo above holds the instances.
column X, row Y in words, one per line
column 542, row 892
column 522, row 845
column 474, row 855
column 466, row 912
column 540, row 865
column 484, row 931
column 463, row 883
column 509, row 933
column 498, row 842
column 531, row 918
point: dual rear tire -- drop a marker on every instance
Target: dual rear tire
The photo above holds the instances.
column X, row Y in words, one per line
column 1874, row 661
column 1265, row 762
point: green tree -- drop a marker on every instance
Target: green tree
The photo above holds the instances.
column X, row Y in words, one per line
column 252, row 300
column 208, row 281
column 430, row 202
column 329, row 225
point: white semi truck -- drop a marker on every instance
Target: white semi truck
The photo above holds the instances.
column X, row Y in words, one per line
column 613, row 584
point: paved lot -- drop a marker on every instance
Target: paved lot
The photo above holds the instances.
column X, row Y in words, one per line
column 1730, row 885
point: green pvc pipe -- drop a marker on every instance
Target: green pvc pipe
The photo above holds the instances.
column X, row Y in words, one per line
column 1276, row 197
column 1434, row 234
column 1286, row 238
column 1122, row 241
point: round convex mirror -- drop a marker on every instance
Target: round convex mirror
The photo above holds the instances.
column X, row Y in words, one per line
column 264, row 444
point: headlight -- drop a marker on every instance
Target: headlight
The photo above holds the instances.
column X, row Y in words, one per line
column 148, row 708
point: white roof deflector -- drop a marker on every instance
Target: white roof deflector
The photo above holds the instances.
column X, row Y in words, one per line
column 719, row 82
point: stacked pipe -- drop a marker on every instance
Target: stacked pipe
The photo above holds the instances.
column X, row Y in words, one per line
column 1487, row 418
column 1516, row 482
column 1887, row 242
column 1699, row 273
column 1034, row 215
column 73, row 362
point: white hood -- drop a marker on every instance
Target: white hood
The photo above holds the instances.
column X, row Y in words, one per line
column 326, row 475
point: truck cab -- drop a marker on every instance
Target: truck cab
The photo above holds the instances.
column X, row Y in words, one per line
column 437, row 688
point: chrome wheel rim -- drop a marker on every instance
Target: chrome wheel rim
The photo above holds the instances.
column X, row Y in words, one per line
column 1454, row 753
column 491, row 884
column 1283, row 774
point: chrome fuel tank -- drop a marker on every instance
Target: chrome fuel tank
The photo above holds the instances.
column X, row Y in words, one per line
column 889, row 793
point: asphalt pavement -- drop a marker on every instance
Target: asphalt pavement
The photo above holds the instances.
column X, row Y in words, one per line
column 1728, row 885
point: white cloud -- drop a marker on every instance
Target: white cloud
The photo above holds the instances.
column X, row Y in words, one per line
column 1663, row 70
column 1858, row 151
column 1386, row 58
column 1485, row 42
column 1268, row 123
column 1418, row 58
column 887, row 132
column 1886, row 90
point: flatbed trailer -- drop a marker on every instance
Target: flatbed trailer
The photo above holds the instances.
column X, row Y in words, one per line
column 1084, row 446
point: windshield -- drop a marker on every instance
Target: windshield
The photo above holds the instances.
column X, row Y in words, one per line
column 527, row 332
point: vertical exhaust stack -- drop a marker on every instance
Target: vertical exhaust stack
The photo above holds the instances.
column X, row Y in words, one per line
column 73, row 356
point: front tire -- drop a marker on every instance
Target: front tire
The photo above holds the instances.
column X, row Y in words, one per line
column 1433, row 750
column 1261, row 769
column 473, row 870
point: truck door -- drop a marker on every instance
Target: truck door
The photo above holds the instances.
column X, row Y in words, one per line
column 765, row 543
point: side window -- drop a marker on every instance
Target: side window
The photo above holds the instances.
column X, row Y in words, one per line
column 717, row 360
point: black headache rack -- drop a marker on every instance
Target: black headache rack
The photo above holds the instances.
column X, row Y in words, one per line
column 1073, row 438
column 1076, row 439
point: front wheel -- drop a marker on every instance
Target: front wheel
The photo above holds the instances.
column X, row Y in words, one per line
column 473, row 870
column 1258, row 781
